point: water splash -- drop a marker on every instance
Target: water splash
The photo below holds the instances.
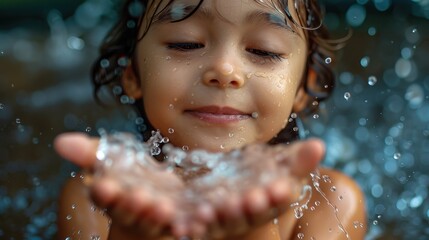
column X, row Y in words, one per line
column 315, row 177
column 128, row 160
column 302, row 203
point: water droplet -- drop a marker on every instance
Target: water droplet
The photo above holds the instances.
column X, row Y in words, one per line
column 347, row 95
column 95, row 237
column 295, row 129
column 333, row 189
column 364, row 62
column 93, row 208
column 154, row 151
column 372, row 31
column 73, row 174
column 168, row 58
column 328, row 60
column 276, row 221
column 255, row 115
column 185, row 148
column 222, row 146
column 171, row 106
column 300, row 235
column 414, row 30
column 326, row 179
column 69, row 217
column 293, row 115
column 88, row 129
column 340, row 197
column 171, row 130
column 375, row 222
column 35, row 140
column 1, row 106
column 372, row 80
column 18, row 121
column 298, row 213
column 397, row 156
column 73, row 206
column 316, row 116
column 317, row 203
column 315, row 103
column 312, row 208
column 104, row 63
column 355, row 224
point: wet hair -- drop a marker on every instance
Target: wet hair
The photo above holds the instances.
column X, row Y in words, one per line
column 318, row 81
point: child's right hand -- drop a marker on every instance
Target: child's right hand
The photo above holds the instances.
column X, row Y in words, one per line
column 136, row 213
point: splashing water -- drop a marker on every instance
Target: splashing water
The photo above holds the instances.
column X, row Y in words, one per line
column 315, row 177
column 128, row 160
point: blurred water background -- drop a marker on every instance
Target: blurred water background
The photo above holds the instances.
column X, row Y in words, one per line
column 376, row 125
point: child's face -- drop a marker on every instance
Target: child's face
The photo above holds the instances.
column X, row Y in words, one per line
column 224, row 77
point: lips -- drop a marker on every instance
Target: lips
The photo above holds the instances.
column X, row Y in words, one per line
column 221, row 115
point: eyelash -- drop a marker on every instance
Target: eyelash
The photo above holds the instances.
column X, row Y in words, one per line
column 193, row 46
column 184, row 46
column 266, row 54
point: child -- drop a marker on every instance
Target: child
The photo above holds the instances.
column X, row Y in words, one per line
column 221, row 74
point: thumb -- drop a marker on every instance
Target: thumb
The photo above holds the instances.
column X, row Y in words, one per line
column 306, row 156
column 78, row 148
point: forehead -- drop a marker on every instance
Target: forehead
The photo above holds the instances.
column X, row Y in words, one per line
column 280, row 12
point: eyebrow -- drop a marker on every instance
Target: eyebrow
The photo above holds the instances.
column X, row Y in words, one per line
column 272, row 19
column 177, row 13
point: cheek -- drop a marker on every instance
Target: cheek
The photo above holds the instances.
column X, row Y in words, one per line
column 277, row 98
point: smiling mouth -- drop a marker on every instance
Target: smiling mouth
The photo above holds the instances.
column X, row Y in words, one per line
column 220, row 115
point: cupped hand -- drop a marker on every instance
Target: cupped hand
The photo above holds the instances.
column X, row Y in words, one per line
column 140, row 210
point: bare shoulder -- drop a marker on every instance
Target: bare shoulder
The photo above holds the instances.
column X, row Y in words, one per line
column 78, row 218
column 336, row 209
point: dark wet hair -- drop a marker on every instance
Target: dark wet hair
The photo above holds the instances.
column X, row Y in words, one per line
column 318, row 81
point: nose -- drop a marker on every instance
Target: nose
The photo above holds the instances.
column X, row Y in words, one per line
column 223, row 74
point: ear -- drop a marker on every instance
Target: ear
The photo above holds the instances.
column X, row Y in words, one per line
column 130, row 83
column 302, row 98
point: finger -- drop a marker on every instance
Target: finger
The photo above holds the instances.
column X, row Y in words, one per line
column 105, row 192
column 164, row 211
column 232, row 217
column 279, row 191
column 77, row 148
column 256, row 201
column 257, row 206
column 305, row 156
column 132, row 205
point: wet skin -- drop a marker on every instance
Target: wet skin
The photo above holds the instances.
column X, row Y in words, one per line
column 224, row 78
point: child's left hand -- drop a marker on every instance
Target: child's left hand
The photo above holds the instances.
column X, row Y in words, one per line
column 135, row 213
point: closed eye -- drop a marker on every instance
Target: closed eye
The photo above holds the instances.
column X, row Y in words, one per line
column 266, row 54
column 184, row 46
